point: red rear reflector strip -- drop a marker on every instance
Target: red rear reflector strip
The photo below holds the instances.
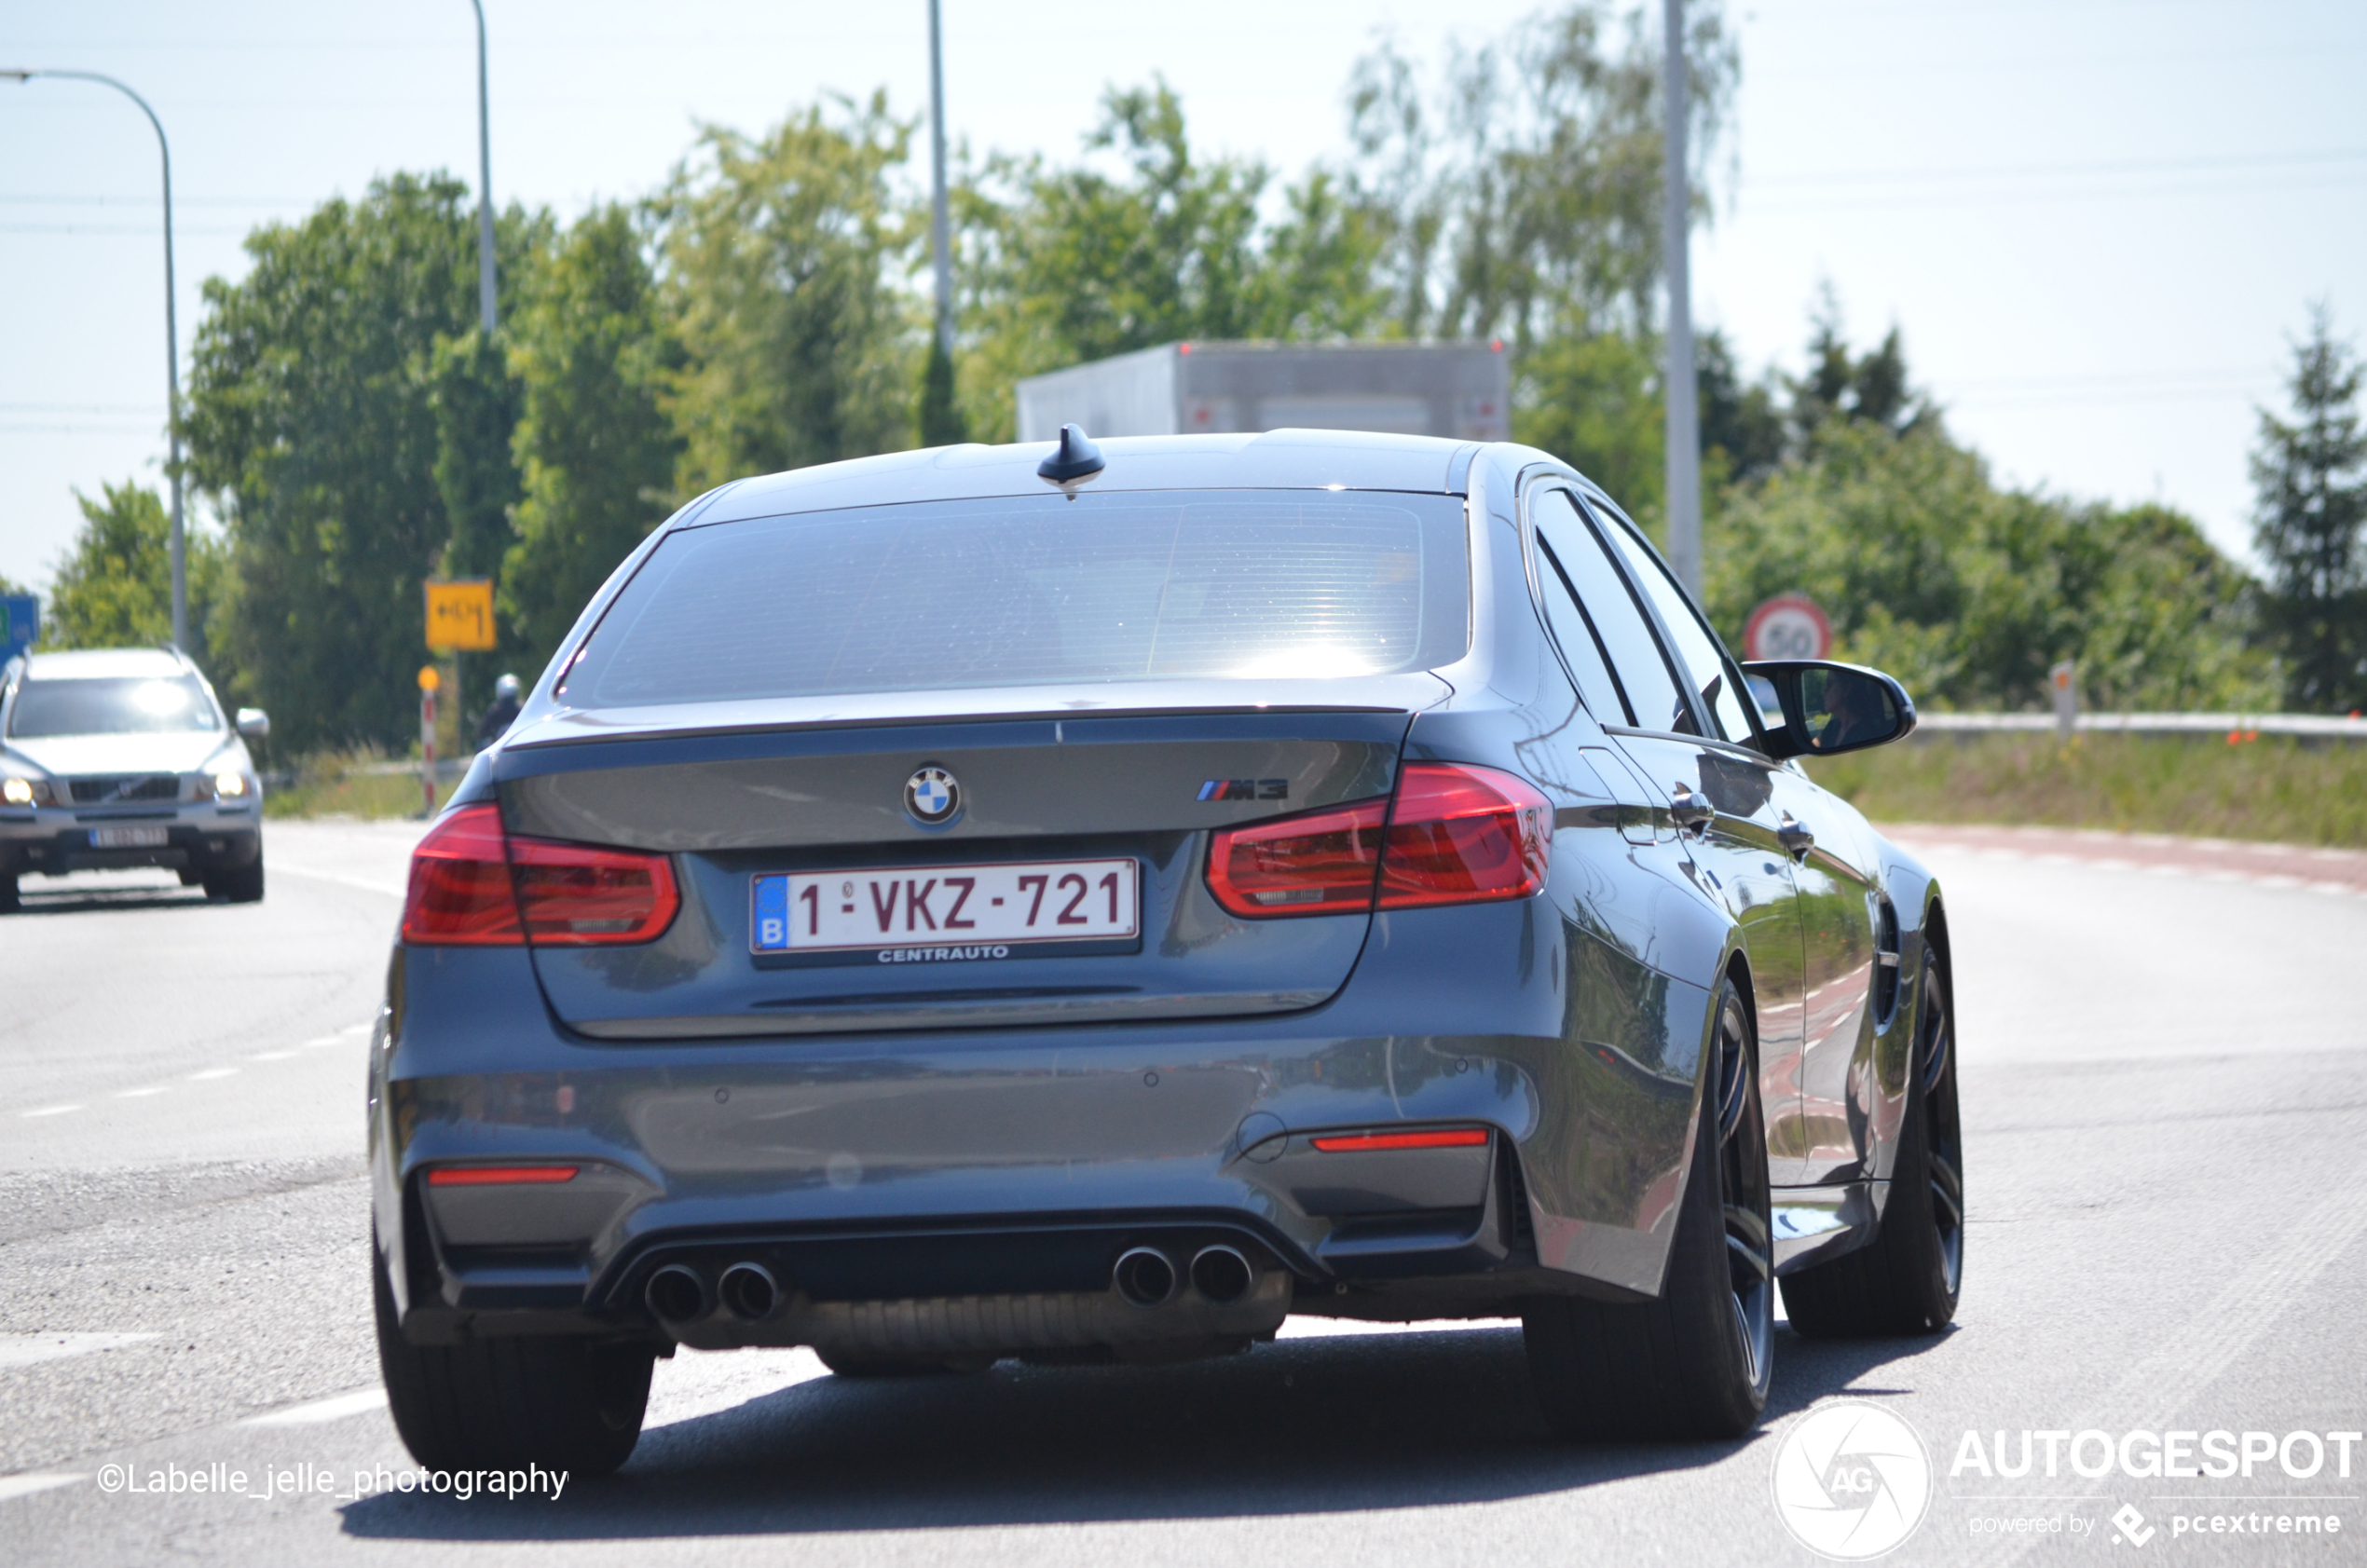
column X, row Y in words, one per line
column 498, row 1176
column 1444, row 1137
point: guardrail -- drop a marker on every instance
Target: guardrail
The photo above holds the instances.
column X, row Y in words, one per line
column 2319, row 727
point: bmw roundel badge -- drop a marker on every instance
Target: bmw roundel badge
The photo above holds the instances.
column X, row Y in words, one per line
column 932, row 796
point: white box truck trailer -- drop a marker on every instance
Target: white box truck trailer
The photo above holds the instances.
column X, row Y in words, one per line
column 1459, row 391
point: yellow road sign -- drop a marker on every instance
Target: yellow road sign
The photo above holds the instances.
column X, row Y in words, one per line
column 461, row 616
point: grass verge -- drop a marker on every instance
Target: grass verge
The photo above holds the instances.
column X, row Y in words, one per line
column 335, row 785
column 2275, row 788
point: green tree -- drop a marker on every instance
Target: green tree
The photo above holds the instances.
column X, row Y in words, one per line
column 1968, row 592
column 1872, row 387
column 1069, row 264
column 595, row 445
column 2311, row 477
column 113, row 587
column 776, row 257
column 312, row 423
column 1520, row 195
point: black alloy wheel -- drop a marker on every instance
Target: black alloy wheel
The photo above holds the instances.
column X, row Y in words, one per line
column 1909, row 1279
column 1695, row 1363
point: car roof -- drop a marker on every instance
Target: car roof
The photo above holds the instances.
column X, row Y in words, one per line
column 103, row 663
column 1289, row 459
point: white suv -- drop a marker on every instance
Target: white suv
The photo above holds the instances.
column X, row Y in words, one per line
column 122, row 757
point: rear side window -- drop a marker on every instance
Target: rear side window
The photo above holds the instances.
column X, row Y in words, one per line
column 1581, row 646
column 1038, row 591
column 112, row 705
column 1694, row 645
column 1627, row 635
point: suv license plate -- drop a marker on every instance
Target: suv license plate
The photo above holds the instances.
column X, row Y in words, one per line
column 931, row 905
column 127, row 837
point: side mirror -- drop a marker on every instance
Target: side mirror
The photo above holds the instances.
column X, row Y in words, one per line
column 1829, row 708
column 253, row 723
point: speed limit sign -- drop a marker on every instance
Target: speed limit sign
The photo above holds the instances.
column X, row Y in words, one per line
column 1789, row 626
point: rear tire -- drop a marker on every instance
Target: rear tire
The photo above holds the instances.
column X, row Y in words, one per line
column 566, row 1404
column 1908, row 1280
column 1694, row 1364
column 11, row 902
column 242, row 885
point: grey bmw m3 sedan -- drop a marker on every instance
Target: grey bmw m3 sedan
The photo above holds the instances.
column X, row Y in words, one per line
column 1087, row 903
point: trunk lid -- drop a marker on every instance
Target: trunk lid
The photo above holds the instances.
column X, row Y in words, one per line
column 765, row 805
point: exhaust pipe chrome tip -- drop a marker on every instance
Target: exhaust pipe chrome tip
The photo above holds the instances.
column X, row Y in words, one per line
column 1145, row 1276
column 749, row 1292
column 1220, row 1274
column 678, row 1293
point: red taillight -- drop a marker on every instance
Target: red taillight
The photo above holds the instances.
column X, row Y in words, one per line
column 575, row 895
column 460, row 893
column 498, row 1176
column 1457, row 834
column 1435, row 1137
column 1320, row 864
column 473, row 886
column 1464, row 835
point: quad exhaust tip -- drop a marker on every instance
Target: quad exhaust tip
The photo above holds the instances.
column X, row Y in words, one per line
column 749, row 1292
column 1145, row 1276
column 1222, row 1274
column 678, row 1294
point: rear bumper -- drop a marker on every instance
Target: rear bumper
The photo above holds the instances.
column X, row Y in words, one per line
column 999, row 1166
column 199, row 835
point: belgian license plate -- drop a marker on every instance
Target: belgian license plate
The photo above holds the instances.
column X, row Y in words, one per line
column 938, row 905
column 127, row 837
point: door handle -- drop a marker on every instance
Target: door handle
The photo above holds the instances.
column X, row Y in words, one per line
column 1690, row 809
column 1795, row 838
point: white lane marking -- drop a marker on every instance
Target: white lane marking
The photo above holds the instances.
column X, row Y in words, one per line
column 335, row 1407
column 280, row 867
column 212, row 1072
column 143, row 1093
column 359, row 1028
column 50, row 1111
column 24, row 1350
column 275, row 1056
column 26, row 1485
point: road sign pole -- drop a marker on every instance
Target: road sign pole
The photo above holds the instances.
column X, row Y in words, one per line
column 429, row 680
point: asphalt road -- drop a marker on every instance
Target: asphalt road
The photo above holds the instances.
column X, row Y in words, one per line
column 2166, row 1143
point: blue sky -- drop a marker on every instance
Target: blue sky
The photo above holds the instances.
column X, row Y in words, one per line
column 2099, row 223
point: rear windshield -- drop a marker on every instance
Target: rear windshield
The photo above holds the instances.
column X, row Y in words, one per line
column 1038, row 591
column 112, row 706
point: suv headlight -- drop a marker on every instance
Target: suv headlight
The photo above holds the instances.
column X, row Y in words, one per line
column 24, row 792
column 230, row 786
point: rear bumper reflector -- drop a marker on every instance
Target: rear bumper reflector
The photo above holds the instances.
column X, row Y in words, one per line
column 498, row 1176
column 1434, row 1137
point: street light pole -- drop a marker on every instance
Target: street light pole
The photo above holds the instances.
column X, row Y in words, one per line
column 940, row 226
column 1684, row 434
column 171, row 347
column 484, row 184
